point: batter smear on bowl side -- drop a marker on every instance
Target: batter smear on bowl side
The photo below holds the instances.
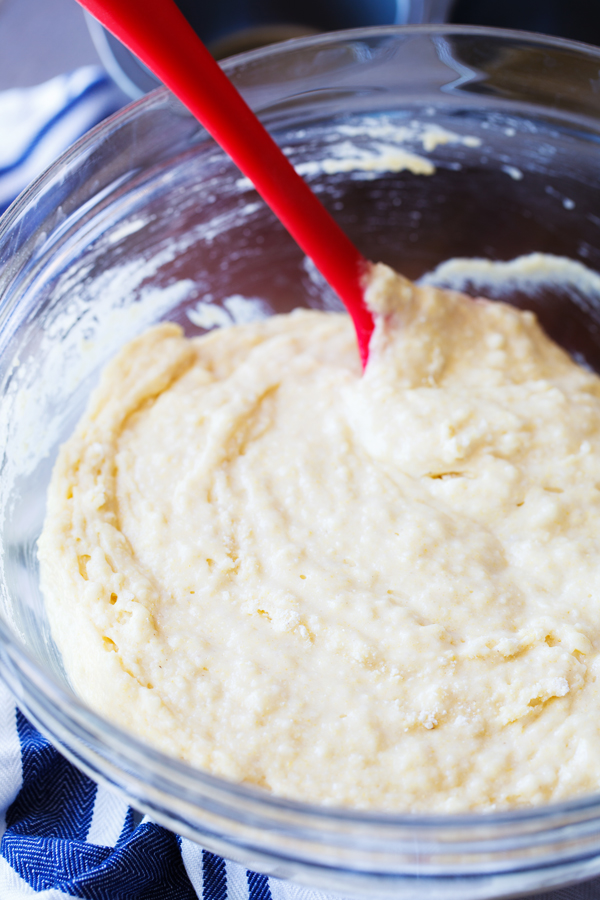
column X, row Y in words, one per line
column 378, row 591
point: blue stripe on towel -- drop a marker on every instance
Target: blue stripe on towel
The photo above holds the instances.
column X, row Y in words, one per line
column 258, row 887
column 56, row 799
column 214, row 877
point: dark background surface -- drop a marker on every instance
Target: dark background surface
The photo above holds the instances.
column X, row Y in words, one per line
column 575, row 19
column 42, row 38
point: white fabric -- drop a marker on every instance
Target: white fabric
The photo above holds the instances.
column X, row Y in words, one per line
column 107, row 819
column 10, row 756
column 38, row 123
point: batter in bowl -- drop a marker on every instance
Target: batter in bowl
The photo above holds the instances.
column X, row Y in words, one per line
column 379, row 591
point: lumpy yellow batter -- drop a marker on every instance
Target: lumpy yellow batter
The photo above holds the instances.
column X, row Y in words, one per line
column 378, row 591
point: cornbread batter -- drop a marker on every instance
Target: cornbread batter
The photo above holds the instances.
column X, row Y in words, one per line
column 378, row 591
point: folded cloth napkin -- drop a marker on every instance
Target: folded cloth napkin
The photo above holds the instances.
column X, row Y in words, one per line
column 64, row 836
column 61, row 834
column 38, row 123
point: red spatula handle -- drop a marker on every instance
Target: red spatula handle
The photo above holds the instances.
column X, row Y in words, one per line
column 160, row 35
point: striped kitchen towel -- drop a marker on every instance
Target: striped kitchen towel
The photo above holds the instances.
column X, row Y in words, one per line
column 63, row 836
column 38, row 123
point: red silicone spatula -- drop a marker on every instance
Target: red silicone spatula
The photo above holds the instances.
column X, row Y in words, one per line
column 160, row 35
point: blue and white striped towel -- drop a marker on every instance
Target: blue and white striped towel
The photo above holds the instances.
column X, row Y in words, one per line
column 38, row 123
column 62, row 835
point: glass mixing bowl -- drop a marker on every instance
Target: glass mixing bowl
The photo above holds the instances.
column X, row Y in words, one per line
column 145, row 219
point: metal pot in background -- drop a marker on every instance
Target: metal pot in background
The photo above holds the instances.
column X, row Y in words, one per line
column 239, row 25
